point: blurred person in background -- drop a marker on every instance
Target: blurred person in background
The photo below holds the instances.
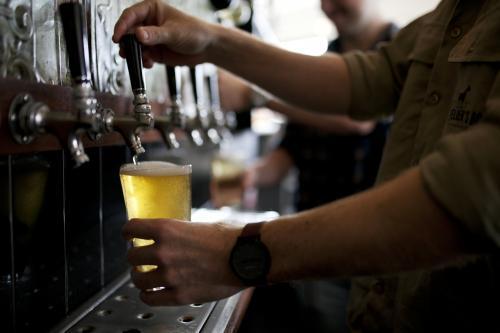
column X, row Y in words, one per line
column 335, row 156
column 430, row 229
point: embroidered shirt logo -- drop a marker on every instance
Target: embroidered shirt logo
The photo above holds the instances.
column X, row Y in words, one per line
column 461, row 114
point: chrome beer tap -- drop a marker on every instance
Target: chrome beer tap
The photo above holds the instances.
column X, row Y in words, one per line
column 218, row 118
column 29, row 118
column 173, row 117
column 197, row 125
column 131, row 126
column 212, row 129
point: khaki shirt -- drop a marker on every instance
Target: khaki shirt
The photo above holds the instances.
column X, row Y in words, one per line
column 439, row 78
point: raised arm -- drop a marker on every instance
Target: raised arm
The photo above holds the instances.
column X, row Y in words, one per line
column 237, row 95
column 177, row 38
column 331, row 123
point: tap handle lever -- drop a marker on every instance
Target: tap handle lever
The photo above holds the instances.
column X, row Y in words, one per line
column 76, row 40
column 172, row 82
column 133, row 53
column 213, row 89
column 192, row 72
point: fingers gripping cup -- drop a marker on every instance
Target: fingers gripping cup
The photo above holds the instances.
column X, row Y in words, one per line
column 155, row 190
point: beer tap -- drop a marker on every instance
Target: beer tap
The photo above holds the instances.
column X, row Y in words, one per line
column 218, row 118
column 131, row 127
column 212, row 129
column 29, row 118
column 173, row 117
column 197, row 125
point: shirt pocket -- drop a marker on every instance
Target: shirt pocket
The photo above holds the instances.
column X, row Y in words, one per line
column 478, row 56
column 421, row 63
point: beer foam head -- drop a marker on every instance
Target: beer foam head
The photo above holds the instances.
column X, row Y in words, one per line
column 155, row 168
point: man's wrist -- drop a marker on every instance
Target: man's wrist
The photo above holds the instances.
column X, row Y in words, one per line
column 250, row 259
column 214, row 33
column 220, row 46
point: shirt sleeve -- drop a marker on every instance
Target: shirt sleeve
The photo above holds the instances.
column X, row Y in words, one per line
column 463, row 174
column 377, row 77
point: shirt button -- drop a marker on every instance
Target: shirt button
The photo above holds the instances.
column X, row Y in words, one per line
column 433, row 98
column 455, row 32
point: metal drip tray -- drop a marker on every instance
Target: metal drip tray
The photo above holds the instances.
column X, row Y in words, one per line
column 124, row 312
column 118, row 308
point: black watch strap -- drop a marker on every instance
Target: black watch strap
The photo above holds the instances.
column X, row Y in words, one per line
column 250, row 238
column 252, row 230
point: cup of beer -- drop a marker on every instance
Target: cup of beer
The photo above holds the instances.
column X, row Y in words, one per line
column 155, row 190
column 227, row 181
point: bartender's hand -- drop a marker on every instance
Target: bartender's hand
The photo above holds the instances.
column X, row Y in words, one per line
column 192, row 260
column 166, row 33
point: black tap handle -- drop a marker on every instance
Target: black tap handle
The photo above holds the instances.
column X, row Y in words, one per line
column 213, row 90
column 220, row 4
column 133, row 53
column 192, row 72
column 172, row 82
column 76, row 40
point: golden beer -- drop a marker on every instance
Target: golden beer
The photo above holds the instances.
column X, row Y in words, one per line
column 156, row 190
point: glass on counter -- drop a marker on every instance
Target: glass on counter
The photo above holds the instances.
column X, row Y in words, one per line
column 227, row 187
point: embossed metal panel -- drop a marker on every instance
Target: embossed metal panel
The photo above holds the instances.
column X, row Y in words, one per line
column 32, row 45
column 107, row 64
column 16, row 40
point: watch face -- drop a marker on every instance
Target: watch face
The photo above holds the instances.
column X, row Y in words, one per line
column 250, row 260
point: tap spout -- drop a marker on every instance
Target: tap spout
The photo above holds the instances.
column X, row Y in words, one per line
column 127, row 126
column 29, row 119
column 75, row 146
column 164, row 125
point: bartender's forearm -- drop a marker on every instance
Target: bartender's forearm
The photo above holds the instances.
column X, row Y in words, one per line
column 331, row 123
column 391, row 228
column 316, row 83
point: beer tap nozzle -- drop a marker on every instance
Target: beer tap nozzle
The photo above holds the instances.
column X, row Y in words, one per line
column 142, row 109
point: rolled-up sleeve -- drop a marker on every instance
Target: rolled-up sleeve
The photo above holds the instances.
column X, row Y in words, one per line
column 377, row 77
column 463, row 174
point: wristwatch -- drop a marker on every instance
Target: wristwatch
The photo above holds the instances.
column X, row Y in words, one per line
column 250, row 259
